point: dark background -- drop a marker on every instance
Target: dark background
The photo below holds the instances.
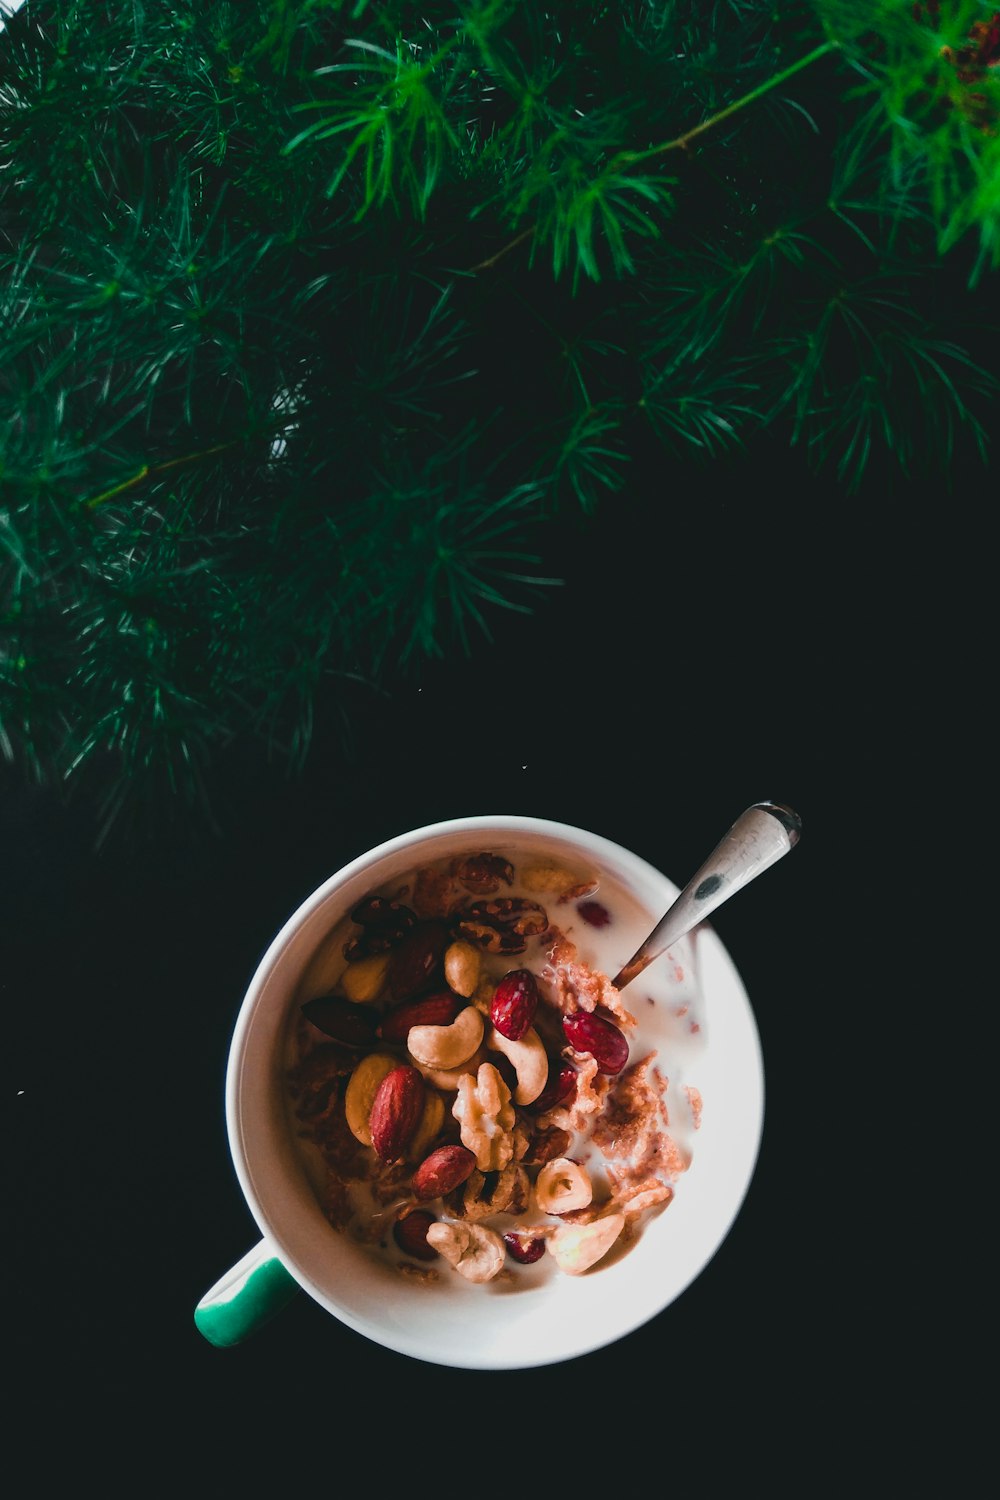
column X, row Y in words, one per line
column 766, row 638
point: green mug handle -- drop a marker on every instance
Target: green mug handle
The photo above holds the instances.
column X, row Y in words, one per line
column 246, row 1297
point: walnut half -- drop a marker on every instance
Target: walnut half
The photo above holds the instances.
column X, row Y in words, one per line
column 486, row 1118
column 503, row 925
column 485, row 1194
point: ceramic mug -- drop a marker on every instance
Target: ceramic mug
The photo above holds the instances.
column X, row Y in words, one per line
column 693, row 1012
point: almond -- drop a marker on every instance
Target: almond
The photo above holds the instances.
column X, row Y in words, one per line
column 446, row 1168
column 417, row 960
column 346, row 1022
column 437, row 1009
column 396, row 1111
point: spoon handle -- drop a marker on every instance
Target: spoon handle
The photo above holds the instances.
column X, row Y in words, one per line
column 758, row 838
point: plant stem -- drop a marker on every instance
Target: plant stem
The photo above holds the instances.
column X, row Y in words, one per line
column 681, row 142
column 484, row 265
column 145, row 472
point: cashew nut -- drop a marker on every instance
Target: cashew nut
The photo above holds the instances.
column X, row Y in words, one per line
column 362, row 1086
column 447, row 1079
column 364, row 980
column 462, row 965
column 577, row 1247
column 446, row 1046
column 530, row 1060
column 324, row 968
column 428, row 1126
column 475, row 1251
column 561, row 1186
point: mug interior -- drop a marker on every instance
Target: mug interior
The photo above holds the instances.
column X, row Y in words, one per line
column 514, row 1322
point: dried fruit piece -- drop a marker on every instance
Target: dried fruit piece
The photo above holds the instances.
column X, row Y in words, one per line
column 359, row 1095
column 559, row 1085
column 522, row 1248
column 347, row 1023
column 503, row 925
column 577, row 1247
column 410, row 1234
column 445, row 1169
column 514, row 1003
column 436, row 1009
column 417, row 960
column 607, row 1045
column 562, row 1186
column 594, row 913
column 396, row 1111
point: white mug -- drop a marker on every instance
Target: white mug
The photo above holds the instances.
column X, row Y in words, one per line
column 692, row 1010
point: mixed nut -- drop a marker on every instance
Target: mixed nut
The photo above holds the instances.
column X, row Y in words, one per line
column 452, row 1091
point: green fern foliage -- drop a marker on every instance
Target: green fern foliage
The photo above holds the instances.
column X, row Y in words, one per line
column 317, row 317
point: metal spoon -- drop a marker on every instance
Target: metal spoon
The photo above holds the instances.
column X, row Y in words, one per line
column 758, row 838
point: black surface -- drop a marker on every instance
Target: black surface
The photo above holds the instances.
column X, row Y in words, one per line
column 782, row 645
